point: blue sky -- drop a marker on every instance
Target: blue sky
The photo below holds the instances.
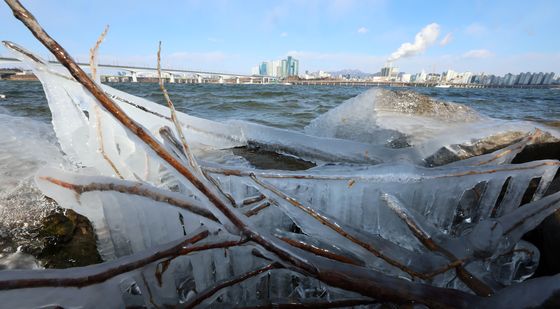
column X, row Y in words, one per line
column 232, row 36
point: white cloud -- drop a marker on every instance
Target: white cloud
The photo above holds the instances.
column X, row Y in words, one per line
column 446, row 39
column 423, row 39
column 363, row 30
column 478, row 53
column 284, row 34
column 475, row 29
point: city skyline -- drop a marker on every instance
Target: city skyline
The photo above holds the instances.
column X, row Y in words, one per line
column 232, row 36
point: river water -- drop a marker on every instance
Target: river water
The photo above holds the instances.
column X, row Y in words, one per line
column 291, row 107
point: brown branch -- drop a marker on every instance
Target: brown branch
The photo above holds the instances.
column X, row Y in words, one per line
column 93, row 53
column 419, row 231
column 229, row 282
column 101, row 276
column 92, row 276
column 320, row 251
column 256, row 209
column 485, row 171
column 186, row 149
column 339, row 230
column 254, row 199
column 136, row 189
column 379, row 285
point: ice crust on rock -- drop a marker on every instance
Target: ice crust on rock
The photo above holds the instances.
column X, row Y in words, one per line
column 405, row 119
column 380, row 194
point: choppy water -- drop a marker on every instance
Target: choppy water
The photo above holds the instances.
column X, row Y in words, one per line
column 291, row 106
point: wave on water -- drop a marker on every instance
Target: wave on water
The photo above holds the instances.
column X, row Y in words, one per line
column 25, row 146
column 381, row 116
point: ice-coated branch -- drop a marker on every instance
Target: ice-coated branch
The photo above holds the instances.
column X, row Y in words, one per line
column 387, row 255
column 473, row 170
column 92, row 274
column 101, row 141
column 184, row 144
column 219, row 188
column 229, row 282
column 134, row 189
column 424, row 233
column 253, row 199
column 257, row 208
column 298, row 243
column 93, row 53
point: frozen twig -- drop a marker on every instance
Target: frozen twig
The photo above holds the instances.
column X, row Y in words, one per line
column 101, row 141
column 229, row 282
column 423, row 233
column 186, row 149
column 134, row 189
column 93, row 275
column 338, row 228
column 93, row 53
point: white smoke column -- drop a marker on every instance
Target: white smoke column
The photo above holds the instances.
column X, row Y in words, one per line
column 424, row 39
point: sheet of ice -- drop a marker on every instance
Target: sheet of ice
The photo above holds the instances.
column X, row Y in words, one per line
column 453, row 200
column 400, row 119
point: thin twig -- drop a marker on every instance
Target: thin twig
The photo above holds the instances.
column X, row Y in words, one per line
column 93, row 53
column 101, row 276
column 135, row 189
column 256, row 209
column 101, row 141
column 229, row 282
column 421, row 233
column 186, row 149
column 339, row 230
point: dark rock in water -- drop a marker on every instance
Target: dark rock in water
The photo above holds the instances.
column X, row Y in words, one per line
column 545, row 146
column 69, row 241
column 547, row 235
column 457, row 152
column 266, row 160
column 540, row 151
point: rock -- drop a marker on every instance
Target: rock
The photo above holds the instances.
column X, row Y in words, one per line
column 69, row 241
column 264, row 159
column 57, row 227
column 456, row 152
column 547, row 235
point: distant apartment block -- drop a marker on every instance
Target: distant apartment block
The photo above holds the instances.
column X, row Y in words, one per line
column 278, row 68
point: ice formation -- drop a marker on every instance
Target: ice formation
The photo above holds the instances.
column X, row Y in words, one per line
column 410, row 198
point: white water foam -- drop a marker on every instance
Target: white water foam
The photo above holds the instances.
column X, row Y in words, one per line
column 25, row 146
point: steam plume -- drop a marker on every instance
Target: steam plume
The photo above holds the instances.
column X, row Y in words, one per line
column 424, row 39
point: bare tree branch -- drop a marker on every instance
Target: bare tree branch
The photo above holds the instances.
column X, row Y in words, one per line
column 229, row 282
column 178, row 127
column 134, row 190
column 93, row 53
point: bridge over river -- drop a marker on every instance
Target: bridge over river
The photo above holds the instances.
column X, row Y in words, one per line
column 148, row 74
